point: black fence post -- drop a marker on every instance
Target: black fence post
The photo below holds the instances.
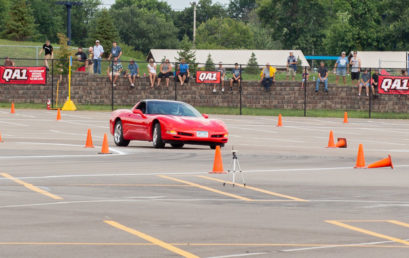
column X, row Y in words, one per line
column 305, row 91
column 240, row 91
column 112, row 84
column 52, row 83
column 370, row 93
column 175, row 80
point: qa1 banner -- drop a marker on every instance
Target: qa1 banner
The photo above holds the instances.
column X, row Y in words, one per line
column 22, row 75
column 393, row 84
column 207, row 77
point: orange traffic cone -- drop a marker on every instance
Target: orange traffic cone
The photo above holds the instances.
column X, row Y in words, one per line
column 105, row 148
column 331, row 143
column 1, row 140
column 12, row 111
column 341, row 143
column 88, row 143
column 346, row 118
column 360, row 161
column 218, row 162
column 386, row 162
column 280, row 121
column 58, row 114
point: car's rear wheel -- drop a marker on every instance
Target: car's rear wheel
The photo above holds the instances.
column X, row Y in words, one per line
column 177, row 145
column 119, row 136
column 157, row 137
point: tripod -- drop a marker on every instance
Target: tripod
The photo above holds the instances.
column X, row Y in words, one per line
column 236, row 169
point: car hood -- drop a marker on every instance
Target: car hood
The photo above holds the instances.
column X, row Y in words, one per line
column 195, row 123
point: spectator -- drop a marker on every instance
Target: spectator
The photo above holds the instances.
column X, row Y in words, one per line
column 8, row 62
column 48, row 53
column 81, row 57
column 183, row 71
column 116, row 69
column 165, row 70
column 404, row 73
column 116, row 51
column 236, row 76
column 98, row 52
column 133, row 72
column 375, row 78
column 364, row 82
column 152, row 72
column 89, row 62
column 81, row 68
column 341, row 68
column 222, row 75
column 291, row 66
column 268, row 76
column 305, row 77
column 322, row 77
column 355, row 68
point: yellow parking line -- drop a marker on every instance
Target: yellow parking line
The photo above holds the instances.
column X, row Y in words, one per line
column 399, row 223
column 256, row 189
column 368, row 232
column 151, row 239
column 206, row 188
column 31, row 187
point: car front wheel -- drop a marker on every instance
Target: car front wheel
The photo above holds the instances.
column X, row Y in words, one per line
column 157, row 137
column 118, row 135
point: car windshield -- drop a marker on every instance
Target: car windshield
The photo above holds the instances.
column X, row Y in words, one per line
column 172, row 108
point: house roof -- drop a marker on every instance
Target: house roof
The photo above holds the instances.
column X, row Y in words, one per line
column 228, row 57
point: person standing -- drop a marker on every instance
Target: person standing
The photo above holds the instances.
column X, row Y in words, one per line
column 152, row 72
column 48, row 53
column 89, row 62
column 133, row 72
column 98, row 52
column 322, row 77
column 165, row 70
column 355, row 68
column 291, row 66
column 341, row 68
column 116, row 51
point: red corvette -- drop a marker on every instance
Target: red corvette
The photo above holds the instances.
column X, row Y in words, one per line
column 164, row 121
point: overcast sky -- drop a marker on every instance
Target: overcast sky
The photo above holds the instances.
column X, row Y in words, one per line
column 175, row 4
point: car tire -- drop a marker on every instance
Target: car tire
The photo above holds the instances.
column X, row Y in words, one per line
column 118, row 135
column 213, row 146
column 177, row 145
column 157, row 137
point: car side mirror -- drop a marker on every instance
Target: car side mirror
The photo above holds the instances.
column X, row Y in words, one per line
column 205, row 116
column 139, row 112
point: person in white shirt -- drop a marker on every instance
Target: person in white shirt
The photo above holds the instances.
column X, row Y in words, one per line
column 152, row 72
column 98, row 52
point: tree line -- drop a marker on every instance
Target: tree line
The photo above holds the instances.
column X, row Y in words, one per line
column 317, row 27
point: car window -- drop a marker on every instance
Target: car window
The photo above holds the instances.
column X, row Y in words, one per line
column 142, row 107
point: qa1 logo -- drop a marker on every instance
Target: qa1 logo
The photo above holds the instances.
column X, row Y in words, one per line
column 393, row 85
column 14, row 74
column 207, row 77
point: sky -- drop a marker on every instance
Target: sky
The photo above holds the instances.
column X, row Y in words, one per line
column 175, row 4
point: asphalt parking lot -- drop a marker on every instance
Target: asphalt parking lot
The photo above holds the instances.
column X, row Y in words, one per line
column 60, row 199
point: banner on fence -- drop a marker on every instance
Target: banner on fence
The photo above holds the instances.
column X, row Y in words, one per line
column 22, row 75
column 207, row 77
column 393, row 84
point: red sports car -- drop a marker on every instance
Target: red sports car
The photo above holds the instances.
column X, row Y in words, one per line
column 164, row 121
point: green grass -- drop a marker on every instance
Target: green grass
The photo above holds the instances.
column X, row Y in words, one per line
column 235, row 111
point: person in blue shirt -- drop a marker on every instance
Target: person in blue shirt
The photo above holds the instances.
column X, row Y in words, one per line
column 341, row 67
column 133, row 72
column 183, row 71
column 116, row 51
column 236, row 76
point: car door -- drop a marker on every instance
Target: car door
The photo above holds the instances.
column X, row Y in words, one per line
column 136, row 123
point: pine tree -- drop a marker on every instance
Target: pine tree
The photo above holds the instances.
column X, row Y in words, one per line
column 20, row 24
column 209, row 66
column 62, row 55
column 252, row 65
column 104, row 31
column 187, row 53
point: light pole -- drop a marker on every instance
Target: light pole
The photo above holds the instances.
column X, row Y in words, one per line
column 69, row 4
column 194, row 4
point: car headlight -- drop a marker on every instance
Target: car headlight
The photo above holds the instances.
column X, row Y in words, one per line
column 171, row 132
column 226, row 135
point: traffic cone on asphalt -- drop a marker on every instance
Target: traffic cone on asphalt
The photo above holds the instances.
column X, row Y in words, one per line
column 218, row 162
column 58, row 114
column 88, row 143
column 386, row 162
column 280, row 121
column 105, row 147
column 360, row 161
column 346, row 118
column 341, row 143
column 331, row 143
column 1, row 140
column 12, row 111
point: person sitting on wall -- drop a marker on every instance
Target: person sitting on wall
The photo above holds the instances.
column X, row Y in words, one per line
column 365, row 77
column 268, row 76
column 322, row 77
column 116, row 70
column 165, row 71
column 183, row 71
column 236, row 76
column 8, row 62
column 133, row 72
column 375, row 78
